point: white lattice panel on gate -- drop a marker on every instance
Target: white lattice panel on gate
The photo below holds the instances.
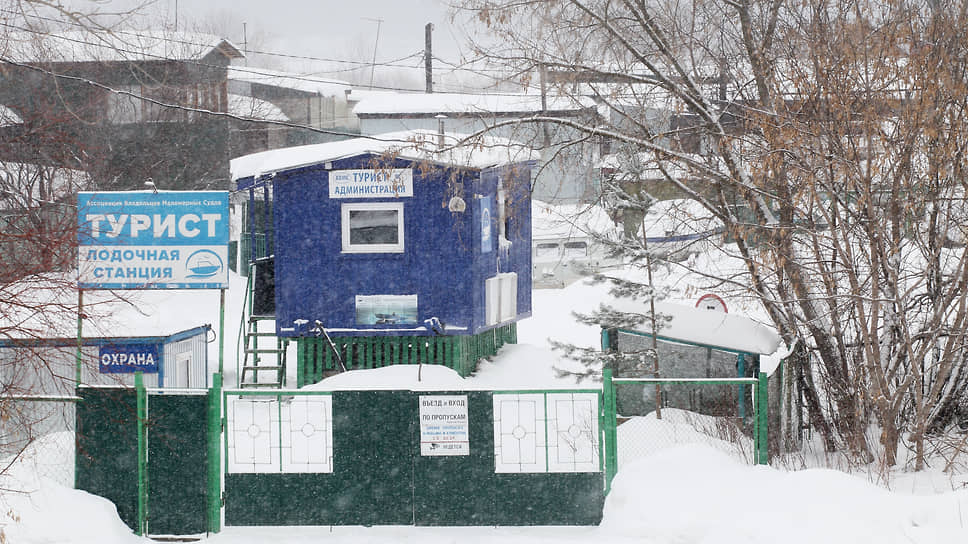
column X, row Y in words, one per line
column 573, row 432
column 280, row 434
column 519, row 433
column 546, row 432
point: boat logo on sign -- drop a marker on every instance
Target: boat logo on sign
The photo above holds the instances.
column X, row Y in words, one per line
column 203, row 264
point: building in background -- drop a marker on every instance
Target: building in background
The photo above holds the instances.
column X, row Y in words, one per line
column 307, row 101
column 124, row 106
column 565, row 175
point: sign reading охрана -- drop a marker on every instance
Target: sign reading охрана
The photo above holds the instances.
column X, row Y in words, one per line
column 378, row 183
column 130, row 358
column 146, row 240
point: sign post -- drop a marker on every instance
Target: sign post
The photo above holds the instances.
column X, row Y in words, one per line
column 80, row 336
column 151, row 240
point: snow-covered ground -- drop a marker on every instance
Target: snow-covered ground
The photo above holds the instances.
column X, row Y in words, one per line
column 693, row 488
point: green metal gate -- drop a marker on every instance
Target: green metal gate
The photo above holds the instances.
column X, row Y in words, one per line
column 356, row 458
column 367, row 487
column 148, row 452
column 106, row 462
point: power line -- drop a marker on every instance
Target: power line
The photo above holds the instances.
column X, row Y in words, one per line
column 173, row 39
column 256, row 71
column 394, row 63
column 226, row 115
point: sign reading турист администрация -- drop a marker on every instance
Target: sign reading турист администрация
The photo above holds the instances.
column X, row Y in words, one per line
column 146, row 240
column 379, row 183
column 443, row 425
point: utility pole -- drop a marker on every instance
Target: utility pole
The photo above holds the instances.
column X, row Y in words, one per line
column 543, row 73
column 428, row 57
column 376, row 42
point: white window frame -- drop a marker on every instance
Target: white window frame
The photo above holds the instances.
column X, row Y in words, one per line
column 570, row 252
column 348, row 207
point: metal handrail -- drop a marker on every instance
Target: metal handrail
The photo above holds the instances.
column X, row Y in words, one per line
column 246, row 311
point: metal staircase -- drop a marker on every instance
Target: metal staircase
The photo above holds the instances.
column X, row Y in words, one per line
column 263, row 355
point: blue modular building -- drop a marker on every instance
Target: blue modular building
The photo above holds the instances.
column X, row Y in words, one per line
column 406, row 248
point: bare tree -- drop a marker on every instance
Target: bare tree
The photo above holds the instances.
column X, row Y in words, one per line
column 39, row 180
column 829, row 138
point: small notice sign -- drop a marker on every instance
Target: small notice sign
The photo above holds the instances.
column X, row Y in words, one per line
column 443, row 425
column 487, row 212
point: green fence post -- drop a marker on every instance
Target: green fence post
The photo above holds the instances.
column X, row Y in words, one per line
column 762, row 406
column 142, row 412
column 741, row 394
column 610, row 428
column 214, row 455
column 78, row 362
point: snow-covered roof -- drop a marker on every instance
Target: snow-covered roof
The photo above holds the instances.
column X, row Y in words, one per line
column 568, row 220
column 358, row 95
column 418, row 145
column 705, row 327
column 451, row 103
column 88, row 46
column 255, row 108
column 288, row 80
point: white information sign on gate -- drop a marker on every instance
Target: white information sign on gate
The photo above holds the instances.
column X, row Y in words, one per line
column 443, row 425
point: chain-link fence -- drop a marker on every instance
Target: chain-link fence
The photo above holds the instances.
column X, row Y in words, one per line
column 37, row 408
column 715, row 415
column 708, row 401
column 729, row 414
column 37, row 440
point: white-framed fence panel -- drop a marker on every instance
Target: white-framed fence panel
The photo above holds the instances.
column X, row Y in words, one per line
column 280, row 434
column 307, row 437
column 546, row 432
column 519, row 433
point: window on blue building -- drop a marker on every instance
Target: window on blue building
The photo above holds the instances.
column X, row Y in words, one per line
column 372, row 227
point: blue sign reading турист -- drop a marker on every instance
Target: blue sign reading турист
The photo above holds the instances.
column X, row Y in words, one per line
column 139, row 240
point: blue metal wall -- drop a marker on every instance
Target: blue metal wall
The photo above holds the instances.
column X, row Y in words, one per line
column 515, row 257
column 442, row 263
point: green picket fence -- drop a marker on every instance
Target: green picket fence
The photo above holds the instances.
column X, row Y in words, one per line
column 316, row 359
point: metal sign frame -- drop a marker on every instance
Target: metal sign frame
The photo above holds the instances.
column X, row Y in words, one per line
column 148, row 240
